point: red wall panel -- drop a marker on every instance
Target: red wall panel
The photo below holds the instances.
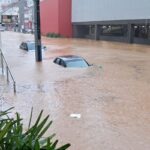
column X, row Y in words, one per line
column 49, row 16
column 56, row 17
column 65, row 26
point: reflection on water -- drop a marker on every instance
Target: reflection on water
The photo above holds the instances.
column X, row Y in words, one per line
column 112, row 96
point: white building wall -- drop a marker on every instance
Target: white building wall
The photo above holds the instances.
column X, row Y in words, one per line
column 104, row 10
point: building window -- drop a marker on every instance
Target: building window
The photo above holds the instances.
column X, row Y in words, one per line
column 91, row 29
column 114, row 30
column 142, row 31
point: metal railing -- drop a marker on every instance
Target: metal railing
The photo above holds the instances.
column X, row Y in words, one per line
column 4, row 66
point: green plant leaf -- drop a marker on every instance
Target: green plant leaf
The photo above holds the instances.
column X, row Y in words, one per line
column 30, row 118
column 64, row 147
column 39, row 117
column 13, row 138
column 4, row 113
column 31, row 130
column 45, row 129
column 37, row 145
column 40, row 126
column 46, row 140
column 5, row 130
column 54, row 145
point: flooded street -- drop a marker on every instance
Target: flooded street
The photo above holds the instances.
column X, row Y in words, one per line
column 112, row 96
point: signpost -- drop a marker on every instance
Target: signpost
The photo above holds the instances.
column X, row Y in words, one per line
column 37, row 31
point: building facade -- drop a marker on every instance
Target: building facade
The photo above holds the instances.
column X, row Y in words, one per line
column 8, row 13
column 115, row 20
column 5, row 2
column 17, row 14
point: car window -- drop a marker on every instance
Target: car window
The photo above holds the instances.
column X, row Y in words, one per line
column 31, row 46
column 76, row 63
column 62, row 63
column 25, row 46
column 57, row 61
column 22, row 45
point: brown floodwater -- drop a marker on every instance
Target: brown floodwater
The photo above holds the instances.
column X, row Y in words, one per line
column 112, row 96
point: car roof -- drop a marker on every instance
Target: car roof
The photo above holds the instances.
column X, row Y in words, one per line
column 28, row 42
column 70, row 57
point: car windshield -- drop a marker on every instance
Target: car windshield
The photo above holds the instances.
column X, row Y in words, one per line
column 76, row 63
column 31, row 46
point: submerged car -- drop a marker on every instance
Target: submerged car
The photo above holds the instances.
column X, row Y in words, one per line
column 30, row 45
column 71, row 61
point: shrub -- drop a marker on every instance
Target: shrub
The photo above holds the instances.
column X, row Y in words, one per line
column 53, row 35
column 12, row 136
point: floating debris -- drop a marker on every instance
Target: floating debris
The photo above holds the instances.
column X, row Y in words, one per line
column 78, row 116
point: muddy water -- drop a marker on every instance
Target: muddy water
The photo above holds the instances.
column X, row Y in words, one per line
column 112, row 97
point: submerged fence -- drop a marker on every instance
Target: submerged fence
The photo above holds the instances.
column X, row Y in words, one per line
column 5, row 68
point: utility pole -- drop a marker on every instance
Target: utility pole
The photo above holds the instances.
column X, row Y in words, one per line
column 21, row 14
column 37, row 31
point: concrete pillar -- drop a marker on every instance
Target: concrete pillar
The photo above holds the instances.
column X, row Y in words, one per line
column 147, row 28
column 75, row 31
column 130, row 35
column 97, row 32
column 21, row 15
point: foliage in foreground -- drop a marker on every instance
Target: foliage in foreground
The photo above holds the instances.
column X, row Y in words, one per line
column 13, row 137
